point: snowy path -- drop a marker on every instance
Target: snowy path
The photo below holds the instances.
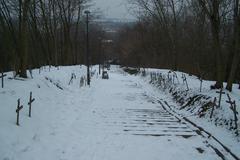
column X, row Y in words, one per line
column 115, row 119
column 122, row 122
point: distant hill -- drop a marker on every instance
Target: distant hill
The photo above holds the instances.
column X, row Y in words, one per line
column 113, row 24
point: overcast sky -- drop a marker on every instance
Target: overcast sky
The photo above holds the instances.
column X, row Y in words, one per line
column 114, row 8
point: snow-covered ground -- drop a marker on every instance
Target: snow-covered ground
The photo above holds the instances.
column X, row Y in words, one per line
column 115, row 119
column 222, row 115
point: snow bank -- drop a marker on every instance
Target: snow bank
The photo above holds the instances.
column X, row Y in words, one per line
column 197, row 102
column 53, row 95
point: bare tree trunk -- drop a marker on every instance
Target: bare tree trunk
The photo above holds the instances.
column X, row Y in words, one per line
column 236, row 56
column 211, row 9
column 76, row 35
column 23, row 37
column 218, row 54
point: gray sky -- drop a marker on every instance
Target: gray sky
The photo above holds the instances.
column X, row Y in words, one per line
column 113, row 8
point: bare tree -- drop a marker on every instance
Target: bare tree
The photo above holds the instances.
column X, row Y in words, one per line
column 212, row 9
column 236, row 45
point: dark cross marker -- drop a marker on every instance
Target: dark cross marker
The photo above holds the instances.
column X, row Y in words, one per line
column 18, row 110
column 168, row 75
column 2, row 76
column 160, row 79
column 151, row 77
column 164, row 83
column 185, row 81
column 220, row 96
column 200, row 79
column 175, row 77
column 233, row 107
column 213, row 106
column 183, row 77
column 31, row 74
column 30, row 104
column 73, row 76
column 230, row 100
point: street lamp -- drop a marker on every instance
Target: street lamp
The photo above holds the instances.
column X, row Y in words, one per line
column 87, row 49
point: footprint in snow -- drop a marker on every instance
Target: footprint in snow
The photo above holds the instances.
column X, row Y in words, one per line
column 53, row 134
column 25, row 149
column 36, row 138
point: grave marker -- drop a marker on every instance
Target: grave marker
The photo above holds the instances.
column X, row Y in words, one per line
column 81, row 82
column 233, row 107
column 213, row 105
column 220, row 96
column 200, row 79
column 73, row 76
column 31, row 100
column 2, row 77
column 185, row 81
column 19, row 107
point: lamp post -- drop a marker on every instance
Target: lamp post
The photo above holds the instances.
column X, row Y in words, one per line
column 87, row 47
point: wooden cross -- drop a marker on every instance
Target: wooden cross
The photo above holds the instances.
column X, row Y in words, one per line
column 220, row 96
column 30, row 104
column 160, row 79
column 39, row 70
column 169, row 78
column 2, row 76
column 31, row 74
column 168, row 75
column 233, row 107
column 183, row 77
column 151, row 76
column 173, row 79
column 213, row 105
column 230, row 101
column 73, row 76
column 185, row 81
column 175, row 76
column 200, row 79
column 18, row 110
column 164, row 83
column 85, row 80
column 81, row 82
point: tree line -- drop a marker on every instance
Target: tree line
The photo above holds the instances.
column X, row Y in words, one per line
column 43, row 32
column 195, row 36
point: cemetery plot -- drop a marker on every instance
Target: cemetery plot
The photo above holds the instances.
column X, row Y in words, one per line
column 110, row 118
